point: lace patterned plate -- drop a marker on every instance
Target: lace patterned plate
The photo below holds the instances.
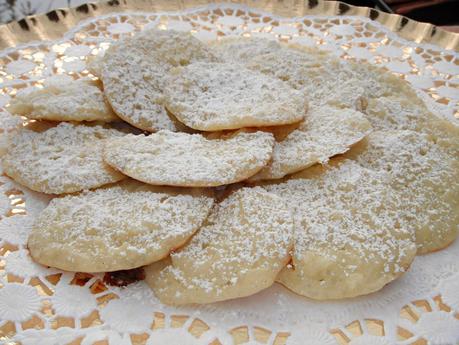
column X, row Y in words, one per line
column 39, row 305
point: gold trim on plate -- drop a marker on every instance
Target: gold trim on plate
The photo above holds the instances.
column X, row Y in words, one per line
column 55, row 24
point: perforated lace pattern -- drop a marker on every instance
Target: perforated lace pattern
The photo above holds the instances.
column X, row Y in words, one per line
column 35, row 302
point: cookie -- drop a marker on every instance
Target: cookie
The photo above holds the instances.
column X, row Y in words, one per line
column 217, row 96
column 444, row 133
column 326, row 79
column 189, row 160
column 397, row 113
column 133, row 72
column 116, row 228
column 239, row 251
column 348, row 240
column 63, row 159
column 94, row 64
column 63, row 100
column 315, row 73
column 425, row 174
column 325, row 132
column 243, row 49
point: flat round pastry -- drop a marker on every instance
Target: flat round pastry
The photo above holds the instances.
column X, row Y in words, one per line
column 217, row 96
column 314, row 72
column 94, row 64
column 444, row 133
column 325, row 132
column 348, row 240
column 243, row 49
column 239, row 251
column 326, row 79
column 376, row 81
column 63, row 99
column 63, row 159
column 116, row 228
column 397, row 113
column 427, row 177
column 133, row 72
column 189, row 160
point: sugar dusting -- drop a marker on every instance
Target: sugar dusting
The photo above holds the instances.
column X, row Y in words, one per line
column 134, row 69
column 63, row 159
column 325, row 79
column 240, row 49
column 326, row 132
column 115, row 228
column 426, row 176
column 248, row 234
column 181, row 159
column 215, row 96
column 63, row 100
column 347, row 207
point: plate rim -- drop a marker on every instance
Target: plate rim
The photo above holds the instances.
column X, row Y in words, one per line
column 55, row 24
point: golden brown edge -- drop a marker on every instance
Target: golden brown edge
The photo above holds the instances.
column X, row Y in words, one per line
column 55, row 24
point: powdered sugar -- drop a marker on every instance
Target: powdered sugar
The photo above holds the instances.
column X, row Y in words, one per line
column 215, row 96
column 95, row 63
column 314, row 72
column 326, row 131
column 397, row 113
column 239, row 251
column 425, row 174
column 394, row 112
column 347, row 237
column 325, row 79
column 64, row 100
column 180, row 159
column 63, row 159
column 240, row 49
column 133, row 72
column 119, row 227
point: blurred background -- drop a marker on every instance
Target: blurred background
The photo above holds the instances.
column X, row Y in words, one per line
column 438, row 12
column 17, row 9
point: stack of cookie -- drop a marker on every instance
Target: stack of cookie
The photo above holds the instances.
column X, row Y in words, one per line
column 223, row 168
